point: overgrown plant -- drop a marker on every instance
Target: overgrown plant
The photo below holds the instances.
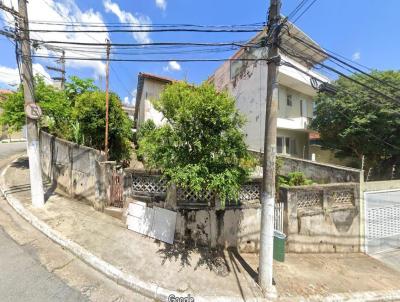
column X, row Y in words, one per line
column 201, row 145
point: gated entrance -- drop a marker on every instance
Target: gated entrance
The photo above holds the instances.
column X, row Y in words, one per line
column 382, row 221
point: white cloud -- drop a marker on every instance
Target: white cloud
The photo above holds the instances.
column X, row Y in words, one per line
column 10, row 76
column 130, row 100
column 161, row 4
column 140, row 21
column 67, row 11
column 356, row 56
column 172, row 66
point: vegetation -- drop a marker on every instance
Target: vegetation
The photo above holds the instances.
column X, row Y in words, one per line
column 296, row 178
column 360, row 122
column 76, row 114
column 200, row 146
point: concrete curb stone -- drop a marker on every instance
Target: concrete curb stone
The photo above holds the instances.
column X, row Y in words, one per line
column 148, row 289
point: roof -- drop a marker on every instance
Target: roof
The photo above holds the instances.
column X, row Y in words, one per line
column 141, row 77
column 289, row 42
column 6, row 91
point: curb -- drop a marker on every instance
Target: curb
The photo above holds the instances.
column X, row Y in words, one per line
column 147, row 289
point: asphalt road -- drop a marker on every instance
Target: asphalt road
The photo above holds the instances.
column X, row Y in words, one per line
column 9, row 149
column 22, row 276
column 34, row 268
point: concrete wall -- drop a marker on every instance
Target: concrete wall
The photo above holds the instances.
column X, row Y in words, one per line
column 75, row 170
column 324, row 219
column 319, row 172
column 232, row 227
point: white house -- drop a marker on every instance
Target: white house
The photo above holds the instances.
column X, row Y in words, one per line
column 149, row 87
column 246, row 81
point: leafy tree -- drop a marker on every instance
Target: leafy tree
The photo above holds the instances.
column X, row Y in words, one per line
column 90, row 114
column 360, row 122
column 77, row 86
column 54, row 103
column 201, row 145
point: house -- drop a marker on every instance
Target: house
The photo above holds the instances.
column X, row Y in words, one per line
column 149, row 87
column 246, row 81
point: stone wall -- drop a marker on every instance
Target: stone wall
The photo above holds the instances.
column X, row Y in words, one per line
column 322, row 218
column 76, row 170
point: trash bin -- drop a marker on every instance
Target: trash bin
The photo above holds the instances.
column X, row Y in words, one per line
column 279, row 246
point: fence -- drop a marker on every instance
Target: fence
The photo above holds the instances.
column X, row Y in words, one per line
column 322, row 218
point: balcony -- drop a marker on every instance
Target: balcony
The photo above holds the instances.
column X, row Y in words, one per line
column 296, row 123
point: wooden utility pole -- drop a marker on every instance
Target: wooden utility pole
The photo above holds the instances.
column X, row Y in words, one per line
column 31, row 125
column 268, row 187
column 107, row 84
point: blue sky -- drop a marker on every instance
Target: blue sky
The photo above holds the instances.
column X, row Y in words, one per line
column 358, row 29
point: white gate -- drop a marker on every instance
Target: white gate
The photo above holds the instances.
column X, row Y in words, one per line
column 382, row 221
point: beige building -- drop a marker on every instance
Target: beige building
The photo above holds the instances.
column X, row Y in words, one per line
column 246, row 81
column 149, row 87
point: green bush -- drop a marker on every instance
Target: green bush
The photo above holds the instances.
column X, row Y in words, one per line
column 294, row 179
column 90, row 113
column 201, row 146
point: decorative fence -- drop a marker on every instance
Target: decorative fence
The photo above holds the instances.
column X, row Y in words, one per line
column 155, row 185
column 322, row 218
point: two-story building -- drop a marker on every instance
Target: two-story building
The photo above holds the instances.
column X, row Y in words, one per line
column 246, row 81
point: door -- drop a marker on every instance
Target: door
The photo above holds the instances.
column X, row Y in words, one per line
column 382, row 221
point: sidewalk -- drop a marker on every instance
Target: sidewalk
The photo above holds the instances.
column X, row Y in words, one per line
column 163, row 269
column 188, row 271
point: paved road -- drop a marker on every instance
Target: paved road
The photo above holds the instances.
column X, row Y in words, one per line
column 23, row 278
column 33, row 268
column 9, row 149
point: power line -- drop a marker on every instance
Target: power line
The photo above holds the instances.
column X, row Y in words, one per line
column 240, row 44
column 145, row 30
column 341, row 112
column 150, row 60
column 304, row 11
column 341, row 61
column 310, row 60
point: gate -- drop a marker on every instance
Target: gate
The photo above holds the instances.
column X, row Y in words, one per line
column 117, row 190
column 382, row 221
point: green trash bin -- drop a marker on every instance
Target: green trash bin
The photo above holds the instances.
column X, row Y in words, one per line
column 279, row 246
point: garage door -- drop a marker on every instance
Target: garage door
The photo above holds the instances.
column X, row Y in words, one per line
column 382, row 221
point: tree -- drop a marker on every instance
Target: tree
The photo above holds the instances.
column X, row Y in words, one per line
column 201, row 145
column 54, row 103
column 76, row 114
column 90, row 115
column 360, row 122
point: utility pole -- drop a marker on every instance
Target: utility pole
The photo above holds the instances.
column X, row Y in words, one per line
column 60, row 70
column 107, row 84
column 268, row 185
column 31, row 125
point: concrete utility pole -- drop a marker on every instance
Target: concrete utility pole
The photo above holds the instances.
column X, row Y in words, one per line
column 107, row 84
column 31, row 126
column 268, row 188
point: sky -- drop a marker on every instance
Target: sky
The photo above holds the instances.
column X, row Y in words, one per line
column 361, row 30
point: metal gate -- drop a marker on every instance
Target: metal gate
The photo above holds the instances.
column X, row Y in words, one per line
column 117, row 190
column 382, row 221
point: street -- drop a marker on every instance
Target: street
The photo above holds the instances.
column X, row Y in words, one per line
column 33, row 268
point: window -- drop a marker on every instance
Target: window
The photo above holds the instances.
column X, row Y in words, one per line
column 289, row 100
column 279, row 144
column 301, row 108
column 286, row 145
